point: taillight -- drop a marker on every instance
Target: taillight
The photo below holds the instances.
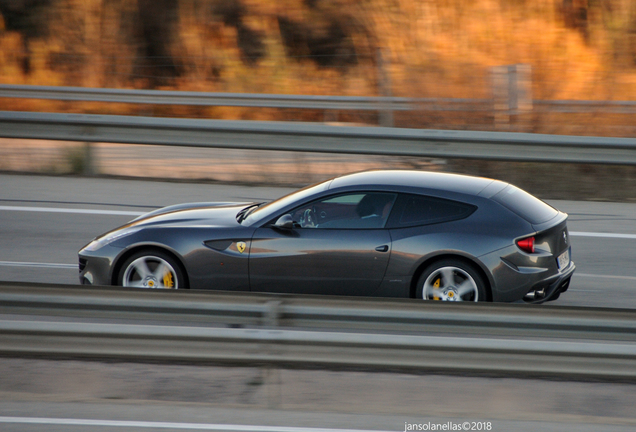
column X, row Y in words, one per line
column 526, row 244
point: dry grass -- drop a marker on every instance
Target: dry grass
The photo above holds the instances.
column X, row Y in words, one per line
column 432, row 48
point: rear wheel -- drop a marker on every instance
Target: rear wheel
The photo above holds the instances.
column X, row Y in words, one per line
column 451, row 280
column 151, row 269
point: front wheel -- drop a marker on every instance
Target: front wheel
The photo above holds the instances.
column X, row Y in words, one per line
column 451, row 280
column 151, row 269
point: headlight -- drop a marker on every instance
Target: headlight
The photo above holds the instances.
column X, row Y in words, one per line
column 108, row 238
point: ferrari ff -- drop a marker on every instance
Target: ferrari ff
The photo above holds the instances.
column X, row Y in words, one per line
column 425, row 235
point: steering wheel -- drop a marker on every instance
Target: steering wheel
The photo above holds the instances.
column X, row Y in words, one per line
column 309, row 219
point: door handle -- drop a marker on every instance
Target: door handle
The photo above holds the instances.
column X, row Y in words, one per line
column 382, row 248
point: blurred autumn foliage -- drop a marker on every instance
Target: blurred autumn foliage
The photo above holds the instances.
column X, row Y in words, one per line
column 578, row 49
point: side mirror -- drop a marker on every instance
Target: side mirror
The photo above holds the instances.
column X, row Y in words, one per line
column 285, row 222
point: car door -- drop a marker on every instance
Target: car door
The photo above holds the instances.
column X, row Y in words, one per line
column 338, row 245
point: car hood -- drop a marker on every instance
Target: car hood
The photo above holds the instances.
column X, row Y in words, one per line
column 207, row 215
column 221, row 214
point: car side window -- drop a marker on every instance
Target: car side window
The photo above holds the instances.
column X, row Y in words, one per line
column 359, row 210
column 414, row 210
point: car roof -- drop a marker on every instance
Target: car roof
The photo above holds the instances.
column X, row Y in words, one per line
column 416, row 179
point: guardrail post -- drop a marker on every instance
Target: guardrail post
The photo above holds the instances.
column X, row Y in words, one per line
column 384, row 89
column 272, row 313
column 500, row 96
column 330, row 116
column 272, row 376
column 89, row 159
column 512, row 96
column 522, row 108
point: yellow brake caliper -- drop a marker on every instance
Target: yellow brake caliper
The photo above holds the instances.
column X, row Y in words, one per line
column 167, row 280
column 436, row 285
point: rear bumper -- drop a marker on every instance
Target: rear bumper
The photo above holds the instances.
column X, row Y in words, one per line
column 551, row 288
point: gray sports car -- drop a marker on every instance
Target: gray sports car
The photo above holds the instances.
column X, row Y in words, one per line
column 423, row 235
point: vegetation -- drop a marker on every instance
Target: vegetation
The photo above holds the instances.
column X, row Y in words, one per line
column 578, row 49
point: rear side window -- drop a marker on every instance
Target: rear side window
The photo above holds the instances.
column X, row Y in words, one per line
column 525, row 205
column 414, row 210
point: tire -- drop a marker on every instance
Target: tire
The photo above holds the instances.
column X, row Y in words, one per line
column 152, row 269
column 451, row 280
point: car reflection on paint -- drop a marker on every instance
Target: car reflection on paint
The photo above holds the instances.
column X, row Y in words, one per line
column 426, row 235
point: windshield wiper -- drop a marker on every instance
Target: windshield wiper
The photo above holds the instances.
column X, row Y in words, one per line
column 240, row 216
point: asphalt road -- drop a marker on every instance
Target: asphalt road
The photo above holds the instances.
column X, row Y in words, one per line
column 45, row 220
column 41, row 395
column 143, row 416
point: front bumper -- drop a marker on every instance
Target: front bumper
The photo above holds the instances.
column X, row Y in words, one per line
column 95, row 267
column 550, row 289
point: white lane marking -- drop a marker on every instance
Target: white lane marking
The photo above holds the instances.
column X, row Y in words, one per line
column 36, row 264
column 584, row 290
column 169, row 425
column 605, row 276
column 603, row 235
column 71, row 210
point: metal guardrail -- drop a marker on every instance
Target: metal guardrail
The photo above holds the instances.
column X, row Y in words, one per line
column 259, row 100
column 255, row 100
column 283, row 330
column 311, row 137
column 575, row 106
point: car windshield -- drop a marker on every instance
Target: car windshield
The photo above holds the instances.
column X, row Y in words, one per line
column 263, row 212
